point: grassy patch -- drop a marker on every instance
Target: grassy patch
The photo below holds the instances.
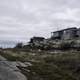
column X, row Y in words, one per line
column 60, row 66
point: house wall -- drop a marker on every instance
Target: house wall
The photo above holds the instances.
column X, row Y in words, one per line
column 78, row 33
column 69, row 34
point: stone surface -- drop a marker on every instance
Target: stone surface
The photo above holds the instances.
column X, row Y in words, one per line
column 8, row 71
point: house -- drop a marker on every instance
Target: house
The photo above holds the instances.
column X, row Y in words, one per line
column 37, row 39
column 68, row 33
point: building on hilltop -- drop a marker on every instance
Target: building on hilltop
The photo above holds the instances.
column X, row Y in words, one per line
column 36, row 40
column 64, row 34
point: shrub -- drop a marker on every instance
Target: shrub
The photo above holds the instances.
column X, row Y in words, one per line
column 67, row 45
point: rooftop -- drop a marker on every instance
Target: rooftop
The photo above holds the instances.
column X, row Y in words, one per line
column 65, row 29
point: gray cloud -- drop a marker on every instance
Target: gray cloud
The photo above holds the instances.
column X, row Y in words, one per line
column 22, row 19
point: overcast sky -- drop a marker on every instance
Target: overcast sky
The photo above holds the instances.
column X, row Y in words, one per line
column 22, row 19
